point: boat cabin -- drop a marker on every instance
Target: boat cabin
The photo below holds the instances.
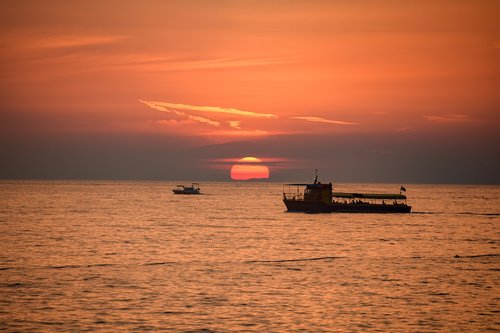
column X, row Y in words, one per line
column 308, row 192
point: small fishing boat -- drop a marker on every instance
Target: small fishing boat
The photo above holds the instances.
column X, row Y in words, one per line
column 320, row 198
column 183, row 189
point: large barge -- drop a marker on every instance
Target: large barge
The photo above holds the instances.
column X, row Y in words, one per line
column 320, row 198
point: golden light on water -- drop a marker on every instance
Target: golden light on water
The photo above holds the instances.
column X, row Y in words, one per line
column 249, row 168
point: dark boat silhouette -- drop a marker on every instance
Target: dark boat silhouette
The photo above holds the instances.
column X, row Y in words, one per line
column 182, row 189
column 320, row 198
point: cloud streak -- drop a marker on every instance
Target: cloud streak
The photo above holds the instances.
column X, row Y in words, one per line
column 162, row 63
column 234, row 124
column 323, row 120
column 182, row 114
column 78, row 41
column 256, row 124
column 238, row 133
column 450, row 118
column 208, row 109
column 217, row 63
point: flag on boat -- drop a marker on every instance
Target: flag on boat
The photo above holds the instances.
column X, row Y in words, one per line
column 402, row 189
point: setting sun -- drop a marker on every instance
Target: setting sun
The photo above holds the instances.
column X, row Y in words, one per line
column 249, row 168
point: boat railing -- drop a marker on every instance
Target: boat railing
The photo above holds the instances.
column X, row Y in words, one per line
column 293, row 196
column 293, row 192
column 363, row 198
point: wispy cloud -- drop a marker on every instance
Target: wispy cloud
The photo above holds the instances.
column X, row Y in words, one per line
column 234, row 124
column 226, row 128
column 495, row 46
column 203, row 120
column 78, row 41
column 208, row 109
column 186, row 64
column 450, row 118
column 238, row 133
column 163, row 63
column 323, row 120
column 274, row 163
column 490, row 46
column 268, row 160
column 183, row 114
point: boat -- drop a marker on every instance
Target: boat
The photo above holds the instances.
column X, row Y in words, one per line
column 183, row 189
column 320, row 198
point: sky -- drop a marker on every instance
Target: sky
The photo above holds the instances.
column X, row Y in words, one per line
column 363, row 90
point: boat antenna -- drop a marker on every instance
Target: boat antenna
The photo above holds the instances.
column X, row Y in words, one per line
column 316, row 176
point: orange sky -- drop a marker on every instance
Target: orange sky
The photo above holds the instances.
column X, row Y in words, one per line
column 218, row 71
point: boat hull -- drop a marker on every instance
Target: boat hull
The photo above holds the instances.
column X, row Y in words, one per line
column 322, row 207
column 185, row 192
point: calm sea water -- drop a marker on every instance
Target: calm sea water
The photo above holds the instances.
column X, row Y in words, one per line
column 131, row 256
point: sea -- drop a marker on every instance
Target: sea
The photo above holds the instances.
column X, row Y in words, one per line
column 115, row 256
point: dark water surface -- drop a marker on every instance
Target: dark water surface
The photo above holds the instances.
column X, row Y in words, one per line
column 131, row 256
